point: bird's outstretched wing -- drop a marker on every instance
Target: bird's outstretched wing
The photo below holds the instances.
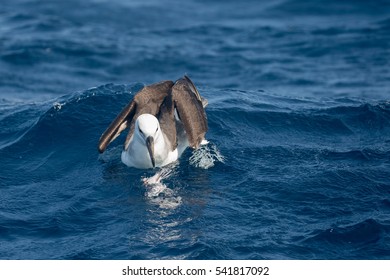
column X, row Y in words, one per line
column 189, row 106
column 147, row 101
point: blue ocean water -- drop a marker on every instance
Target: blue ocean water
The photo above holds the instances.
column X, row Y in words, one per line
column 299, row 129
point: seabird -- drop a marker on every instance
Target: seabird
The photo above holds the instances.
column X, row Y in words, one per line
column 163, row 120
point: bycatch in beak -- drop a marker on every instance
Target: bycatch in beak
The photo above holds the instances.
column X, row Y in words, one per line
column 150, row 146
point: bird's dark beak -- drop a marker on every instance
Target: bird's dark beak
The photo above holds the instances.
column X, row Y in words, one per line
column 150, row 145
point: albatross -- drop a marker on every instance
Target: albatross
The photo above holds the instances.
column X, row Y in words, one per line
column 163, row 120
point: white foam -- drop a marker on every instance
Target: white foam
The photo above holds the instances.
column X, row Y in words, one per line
column 158, row 193
column 57, row 105
column 206, row 156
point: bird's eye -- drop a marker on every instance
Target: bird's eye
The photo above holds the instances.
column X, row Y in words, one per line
column 156, row 129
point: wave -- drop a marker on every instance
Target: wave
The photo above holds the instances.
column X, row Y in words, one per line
column 336, row 148
column 38, row 134
column 353, row 240
column 81, row 117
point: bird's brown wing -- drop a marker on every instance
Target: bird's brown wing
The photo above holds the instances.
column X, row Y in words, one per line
column 147, row 101
column 189, row 106
column 166, row 118
column 120, row 123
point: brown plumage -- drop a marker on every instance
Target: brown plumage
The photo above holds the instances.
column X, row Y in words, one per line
column 160, row 100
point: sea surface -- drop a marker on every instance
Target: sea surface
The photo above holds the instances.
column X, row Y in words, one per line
column 298, row 160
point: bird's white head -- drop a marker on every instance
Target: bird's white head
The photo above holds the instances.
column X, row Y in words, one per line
column 147, row 128
column 147, row 125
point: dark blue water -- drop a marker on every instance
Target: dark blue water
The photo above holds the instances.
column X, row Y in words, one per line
column 299, row 129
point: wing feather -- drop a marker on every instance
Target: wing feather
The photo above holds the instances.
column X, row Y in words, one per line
column 189, row 106
column 146, row 101
column 120, row 123
column 166, row 118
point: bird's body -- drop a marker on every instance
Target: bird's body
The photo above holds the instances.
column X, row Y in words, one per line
column 164, row 119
